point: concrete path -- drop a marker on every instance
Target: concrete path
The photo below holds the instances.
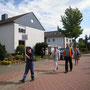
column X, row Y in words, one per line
column 46, row 79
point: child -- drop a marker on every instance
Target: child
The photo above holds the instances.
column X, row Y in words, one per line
column 29, row 65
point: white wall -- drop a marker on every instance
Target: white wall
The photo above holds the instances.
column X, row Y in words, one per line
column 34, row 36
column 17, row 35
column 59, row 41
column 7, row 36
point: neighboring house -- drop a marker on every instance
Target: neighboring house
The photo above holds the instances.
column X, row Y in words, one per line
column 53, row 38
column 12, row 29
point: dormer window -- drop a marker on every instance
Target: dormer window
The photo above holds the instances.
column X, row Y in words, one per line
column 31, row 20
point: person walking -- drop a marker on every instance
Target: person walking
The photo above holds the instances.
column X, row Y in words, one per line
column 55, row 56
column 29, row 65
column 46, row 54
column 42, row 53
column 68, row 54
column 76, row 56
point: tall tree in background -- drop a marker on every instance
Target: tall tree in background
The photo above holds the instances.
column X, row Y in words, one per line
column 71, row 23
column 86, row 41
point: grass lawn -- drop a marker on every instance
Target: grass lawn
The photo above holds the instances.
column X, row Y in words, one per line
column 3, row 65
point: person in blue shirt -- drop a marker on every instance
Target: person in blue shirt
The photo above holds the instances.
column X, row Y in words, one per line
column 29, row 65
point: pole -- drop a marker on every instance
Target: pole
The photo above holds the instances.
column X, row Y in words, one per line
column 25, row 50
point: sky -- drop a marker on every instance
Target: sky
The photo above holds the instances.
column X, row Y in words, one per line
column 48, row 12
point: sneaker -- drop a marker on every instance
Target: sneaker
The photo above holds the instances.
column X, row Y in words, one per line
column 22, row 81
column 66, row 72
column 56, row 68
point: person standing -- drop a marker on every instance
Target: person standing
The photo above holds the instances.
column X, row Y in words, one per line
column 68, row 54
column 29, row 65
column 46, row 53
column 76, row 56
column 42, row 53
column 55, row 56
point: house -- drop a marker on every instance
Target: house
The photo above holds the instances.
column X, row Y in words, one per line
column 55, row 38
column 13, row 29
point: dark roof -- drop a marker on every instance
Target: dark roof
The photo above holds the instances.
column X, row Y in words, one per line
column 53, row 34
column 9, row 20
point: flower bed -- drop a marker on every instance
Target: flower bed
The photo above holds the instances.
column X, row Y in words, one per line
column 6, row 62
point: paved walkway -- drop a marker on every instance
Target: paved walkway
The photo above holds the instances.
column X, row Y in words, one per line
column 46, row 79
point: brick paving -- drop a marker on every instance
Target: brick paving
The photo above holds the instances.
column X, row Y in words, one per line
column 46, row 79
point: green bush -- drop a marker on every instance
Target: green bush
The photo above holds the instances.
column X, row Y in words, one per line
column 19, row 57
column 20, row 49
column 2, row 52
column 39, row 46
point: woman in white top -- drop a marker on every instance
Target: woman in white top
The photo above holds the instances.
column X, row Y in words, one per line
column 56, row 57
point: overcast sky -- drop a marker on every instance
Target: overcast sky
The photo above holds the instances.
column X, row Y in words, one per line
column 48, row 11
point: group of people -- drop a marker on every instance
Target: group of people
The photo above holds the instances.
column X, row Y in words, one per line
column 67, row 56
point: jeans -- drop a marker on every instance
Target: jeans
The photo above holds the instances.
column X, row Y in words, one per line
column 29, row 66
column 68, row 59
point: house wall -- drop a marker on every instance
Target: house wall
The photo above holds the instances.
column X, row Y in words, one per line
column 68, row 40
column 29, row 20
column 34, row 35
column 59, row 41
column 7, row 36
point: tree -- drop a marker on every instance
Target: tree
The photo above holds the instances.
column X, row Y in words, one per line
column 39, row 46
column 71, row 23
column 86, row 41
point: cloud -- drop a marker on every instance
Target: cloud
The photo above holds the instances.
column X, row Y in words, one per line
column 86, row 31
column 47, row 11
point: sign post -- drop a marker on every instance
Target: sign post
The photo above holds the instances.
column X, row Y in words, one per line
column 25, row 37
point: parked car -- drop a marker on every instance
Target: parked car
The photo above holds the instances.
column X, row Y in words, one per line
column 61, row 53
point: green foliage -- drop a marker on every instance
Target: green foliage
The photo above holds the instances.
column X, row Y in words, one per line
column 19, row 57
column 2, row 52
column 9, row 56
column 20, row 49
column 71, row 23
column 84, row 45
column 39, row 46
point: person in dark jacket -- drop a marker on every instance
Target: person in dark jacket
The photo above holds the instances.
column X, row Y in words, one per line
column 68, row 54
column 29, row 65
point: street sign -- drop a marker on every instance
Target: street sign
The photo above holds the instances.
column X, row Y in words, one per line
column 25, row 37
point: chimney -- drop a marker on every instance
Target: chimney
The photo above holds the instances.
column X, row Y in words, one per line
column 4, row 17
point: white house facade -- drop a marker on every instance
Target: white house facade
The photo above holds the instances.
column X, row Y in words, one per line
column 54, row 38
column 12, row 29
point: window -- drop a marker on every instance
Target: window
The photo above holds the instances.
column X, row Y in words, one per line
column 48, row 40
column 31, row 20
column 53, row 40
column 21, row 42
column 22, row 30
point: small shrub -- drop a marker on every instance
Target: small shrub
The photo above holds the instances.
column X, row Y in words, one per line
column 20, row 49
column 9, row 57
column 19, row 57
column 2, row 52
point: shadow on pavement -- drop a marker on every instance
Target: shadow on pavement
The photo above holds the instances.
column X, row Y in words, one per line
column 9, row 83
column 48, row 72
